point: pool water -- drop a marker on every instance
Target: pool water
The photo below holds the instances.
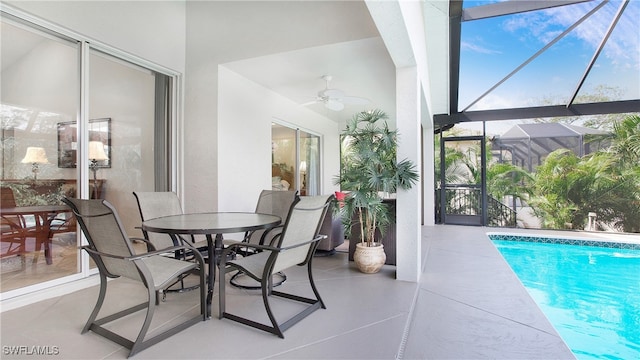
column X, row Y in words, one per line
column 590, row 294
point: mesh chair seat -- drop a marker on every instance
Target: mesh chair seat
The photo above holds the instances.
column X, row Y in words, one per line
column 253, row 265
column 165, row 270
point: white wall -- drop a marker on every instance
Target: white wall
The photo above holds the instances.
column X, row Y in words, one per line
column 220, row 32
column 153, row 30
column 245, row 113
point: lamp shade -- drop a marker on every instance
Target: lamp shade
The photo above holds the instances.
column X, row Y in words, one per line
column 303, row 166
column 96, row 151
column 35, row 155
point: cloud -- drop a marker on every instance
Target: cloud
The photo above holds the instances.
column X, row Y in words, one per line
column 496, row 101
column 476, row 48
column 544, row 26
column 625, row 39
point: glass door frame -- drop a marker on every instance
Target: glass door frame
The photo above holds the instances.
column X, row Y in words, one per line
column 464, row 219
column 87, row 44
column 298, row 159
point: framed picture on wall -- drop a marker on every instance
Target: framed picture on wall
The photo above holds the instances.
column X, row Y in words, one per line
column 99, row 131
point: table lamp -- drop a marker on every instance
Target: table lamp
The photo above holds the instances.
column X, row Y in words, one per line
column 35, row 156
column 303, row 171
column 96, row 153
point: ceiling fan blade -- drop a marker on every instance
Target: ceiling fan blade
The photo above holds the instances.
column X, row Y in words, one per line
column 335, row 99
column 334, row 105
column 354, row 100
column 309, row 103
column 332, row 93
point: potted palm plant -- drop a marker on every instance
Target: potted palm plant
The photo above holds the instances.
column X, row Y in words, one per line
column 369, row 173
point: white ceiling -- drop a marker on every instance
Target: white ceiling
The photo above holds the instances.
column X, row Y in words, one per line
column 359, row 68
column 336, row 38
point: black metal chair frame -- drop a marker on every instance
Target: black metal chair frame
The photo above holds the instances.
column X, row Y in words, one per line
column 248, row 251
column 266, row 277
column 146, row 277
column 181, row 254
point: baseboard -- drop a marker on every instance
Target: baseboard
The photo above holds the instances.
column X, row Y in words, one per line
column 48, row 293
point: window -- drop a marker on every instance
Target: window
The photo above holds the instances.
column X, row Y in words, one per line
column 295, row 160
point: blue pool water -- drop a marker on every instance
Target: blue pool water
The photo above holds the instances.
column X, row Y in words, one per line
column 590, row 294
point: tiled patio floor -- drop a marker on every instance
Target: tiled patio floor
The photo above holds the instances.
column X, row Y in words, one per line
column 468, row 305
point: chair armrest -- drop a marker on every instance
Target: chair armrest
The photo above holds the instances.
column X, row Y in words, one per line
column 138, row 256
column 242, row 244
column 146, row 241
column 268, row 247
column 9, row 221
column 316, row 239
column 160, row 252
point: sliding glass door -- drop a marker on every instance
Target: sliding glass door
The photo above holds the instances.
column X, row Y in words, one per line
column 123, row 94
column 295, row 160
column 309, row 150
column 76, row 120
column 40, row 90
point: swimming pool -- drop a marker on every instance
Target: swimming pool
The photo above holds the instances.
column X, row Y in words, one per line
column 589, row 290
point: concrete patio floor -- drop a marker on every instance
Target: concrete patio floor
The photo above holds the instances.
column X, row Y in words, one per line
column 468, row 305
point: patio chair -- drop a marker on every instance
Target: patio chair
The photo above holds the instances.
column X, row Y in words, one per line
column 113, row 253
column 295, row 245
column 272, row 202
column 155, row 204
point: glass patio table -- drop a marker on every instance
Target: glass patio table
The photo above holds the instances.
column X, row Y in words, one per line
column 210, row 224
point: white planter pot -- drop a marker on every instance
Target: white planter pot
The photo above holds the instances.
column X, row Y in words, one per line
column 369, row 259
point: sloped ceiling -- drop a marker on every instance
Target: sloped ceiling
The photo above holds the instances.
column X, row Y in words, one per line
column 311, row 39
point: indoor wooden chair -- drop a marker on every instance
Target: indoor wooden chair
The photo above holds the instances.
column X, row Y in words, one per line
column 13, row 227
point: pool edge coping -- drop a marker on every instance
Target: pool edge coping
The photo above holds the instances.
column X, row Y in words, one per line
column 560, row 239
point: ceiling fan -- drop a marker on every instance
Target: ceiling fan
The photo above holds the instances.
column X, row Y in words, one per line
column 334, row 99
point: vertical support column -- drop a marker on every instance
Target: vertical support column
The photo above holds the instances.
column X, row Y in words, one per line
column 408, row 267
column 428, row 181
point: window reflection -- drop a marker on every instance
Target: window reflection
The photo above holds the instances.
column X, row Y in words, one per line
column 295, row 160
column 38, row 117
column 40, row 83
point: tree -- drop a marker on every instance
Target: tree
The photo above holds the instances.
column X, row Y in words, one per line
column 602, row 93
column 626, row 150
column 464, row 167
column 455, row 169
column 503, row 179
column 567, row 187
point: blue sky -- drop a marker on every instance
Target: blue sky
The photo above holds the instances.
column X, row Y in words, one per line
column 492, row 48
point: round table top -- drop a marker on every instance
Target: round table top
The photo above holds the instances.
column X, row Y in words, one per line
column 211, row 223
